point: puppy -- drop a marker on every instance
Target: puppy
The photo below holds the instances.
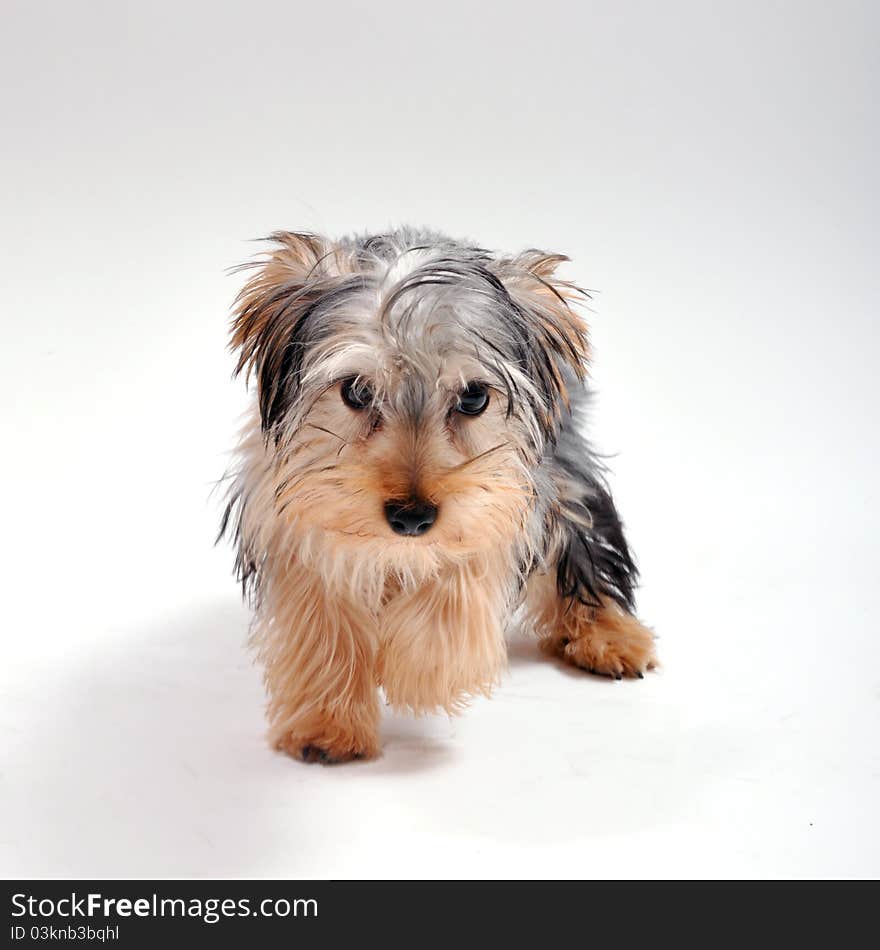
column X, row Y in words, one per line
column 411, row 475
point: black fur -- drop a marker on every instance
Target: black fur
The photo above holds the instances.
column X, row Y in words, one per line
column 594, row 561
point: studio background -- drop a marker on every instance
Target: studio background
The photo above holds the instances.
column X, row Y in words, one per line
column 711, row 170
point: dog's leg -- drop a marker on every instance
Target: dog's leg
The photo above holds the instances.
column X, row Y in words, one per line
column 606, row 639
column 444, row 642
column 582, row 608
column 318, row 649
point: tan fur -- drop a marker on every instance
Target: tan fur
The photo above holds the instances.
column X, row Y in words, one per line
column 603, row 640
column 444, row 641
column 318, row 649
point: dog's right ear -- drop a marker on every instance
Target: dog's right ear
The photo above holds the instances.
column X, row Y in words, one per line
column 280, row 279
column 271, row 312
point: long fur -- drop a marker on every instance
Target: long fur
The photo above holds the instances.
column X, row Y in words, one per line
column 342, row 603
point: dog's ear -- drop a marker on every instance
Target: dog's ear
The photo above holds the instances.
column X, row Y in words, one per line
column 559, row 337
column 530, row 279
column 279, row 280
column 271, row 311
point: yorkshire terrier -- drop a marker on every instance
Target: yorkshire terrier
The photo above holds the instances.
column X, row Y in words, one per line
column 412, row 474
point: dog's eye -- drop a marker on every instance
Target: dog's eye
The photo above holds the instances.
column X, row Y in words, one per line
column 356, row 393
column 473, row 400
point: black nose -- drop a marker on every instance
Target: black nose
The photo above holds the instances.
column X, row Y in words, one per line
column 410, row 517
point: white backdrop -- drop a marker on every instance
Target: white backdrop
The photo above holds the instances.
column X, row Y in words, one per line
column 711, row 168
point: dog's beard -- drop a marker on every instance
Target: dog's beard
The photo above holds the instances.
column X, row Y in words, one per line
column 332, row 516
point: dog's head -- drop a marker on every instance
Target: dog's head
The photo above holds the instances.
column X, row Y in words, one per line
column 408, row 385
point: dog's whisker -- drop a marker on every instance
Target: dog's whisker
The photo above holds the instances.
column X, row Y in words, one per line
column 476, row 458
column 335, row 435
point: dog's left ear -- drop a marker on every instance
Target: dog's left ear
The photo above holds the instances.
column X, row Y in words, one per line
column 548, row 302
column 531, row 281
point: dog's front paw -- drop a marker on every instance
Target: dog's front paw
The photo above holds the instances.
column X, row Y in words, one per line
column 609, row 643
column 315, row 753
column 327, row 750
